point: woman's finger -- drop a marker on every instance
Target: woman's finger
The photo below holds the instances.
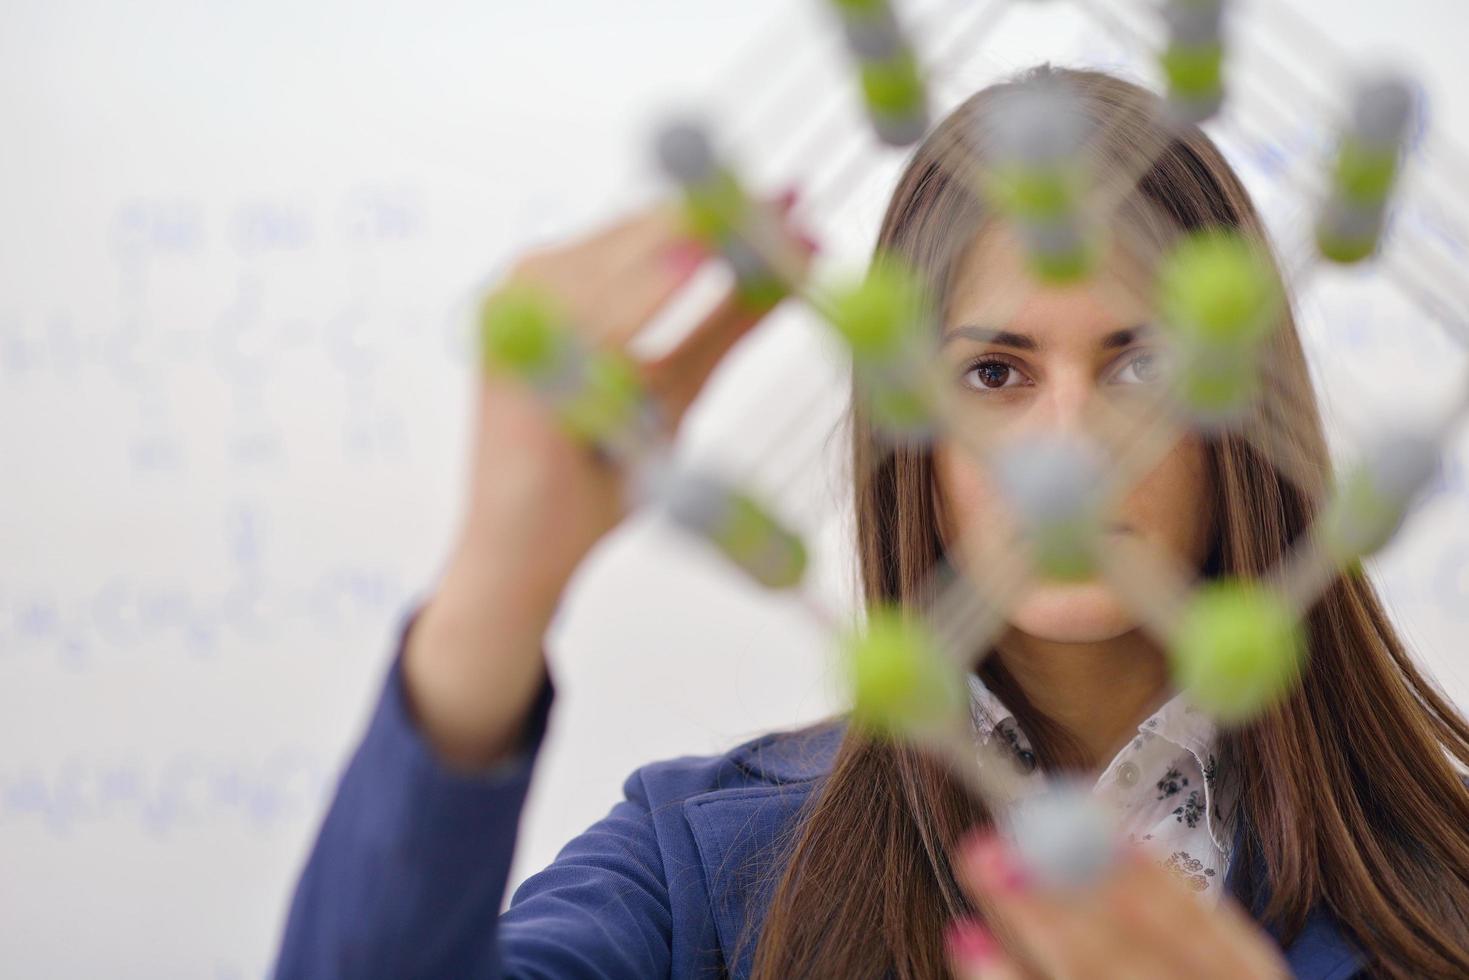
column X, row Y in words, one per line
column 974, row 954
column 614, row 281
column 645, row 231
column 1060, row 945
column 679, row 375
column 1152, row 904
column 1139, row 921
column 1069, row 936
column 1069, row 933
column 611, row 282
column 642, row 285
column 626, row 274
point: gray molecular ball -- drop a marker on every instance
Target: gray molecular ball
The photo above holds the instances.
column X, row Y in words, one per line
column 685, row 152
column 902, row 130
column 1382, row 110
column 1054, row 479
column 696, row 501
column 1052, row 238
column 1191, row 112
column 1402, row 464
column 1039, row 125
column 873, row 36
column 746, row 261
column 1065, row 836
column 1396, row 466
column 1194, row 22
column 1351, row 220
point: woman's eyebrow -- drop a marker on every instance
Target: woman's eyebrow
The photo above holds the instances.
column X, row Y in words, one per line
column 985, row 335
column 1021, row 341
column 1121, row 338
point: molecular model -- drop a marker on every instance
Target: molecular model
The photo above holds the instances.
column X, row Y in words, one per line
column 1236, row 646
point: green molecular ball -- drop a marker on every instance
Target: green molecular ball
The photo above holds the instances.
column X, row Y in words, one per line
column 1360, row 519
column 1053, row 482
column 1063, row 268
column 902, row 683
column 903, row 409
column 883, row 315
column 606, row 405
column 758, row 286
column 1366, row 174
column 1237, row 649
column 1346, row 249
column 715, row 209
column 1372, row 499
column 522, row 331
column 744, row 531
column 1065, row 552
column 1034, row 194
column 756, row 542
column 761, row 294
column 892, row 87
column 1220, row 388
column 597, row 396
column 1194, row 71
column 1218, row 290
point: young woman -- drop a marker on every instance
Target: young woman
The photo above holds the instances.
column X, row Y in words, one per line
column 1329, row 837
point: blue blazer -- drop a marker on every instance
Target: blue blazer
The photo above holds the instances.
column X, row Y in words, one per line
column 408, row 872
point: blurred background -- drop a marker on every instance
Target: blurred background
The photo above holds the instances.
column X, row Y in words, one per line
column 240, row 250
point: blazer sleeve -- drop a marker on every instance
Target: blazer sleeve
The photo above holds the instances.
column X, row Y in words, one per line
column 408, row 872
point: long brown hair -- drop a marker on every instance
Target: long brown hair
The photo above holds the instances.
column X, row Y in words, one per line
column 1347, row 793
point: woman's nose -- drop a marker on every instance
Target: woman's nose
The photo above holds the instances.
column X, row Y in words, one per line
column 1065, row 399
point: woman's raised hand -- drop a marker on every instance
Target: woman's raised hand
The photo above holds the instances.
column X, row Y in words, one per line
column 538, row 501
column 1140, row 922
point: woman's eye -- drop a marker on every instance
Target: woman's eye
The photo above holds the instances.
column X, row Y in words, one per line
column 992, row 374
column 1146, row 368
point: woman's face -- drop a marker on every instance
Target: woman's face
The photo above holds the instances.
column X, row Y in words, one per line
column 1024, row 360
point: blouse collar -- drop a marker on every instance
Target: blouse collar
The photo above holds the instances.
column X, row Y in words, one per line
column 1177, row 728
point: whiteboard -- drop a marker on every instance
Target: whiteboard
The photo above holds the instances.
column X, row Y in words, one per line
column 239, row 244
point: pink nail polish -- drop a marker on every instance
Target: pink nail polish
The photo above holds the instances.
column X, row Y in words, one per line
column 969, row 942
column 685, row 256
column 810, row 244
column 997, row 867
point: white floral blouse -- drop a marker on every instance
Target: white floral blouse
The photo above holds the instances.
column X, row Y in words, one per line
column 1164, row 785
